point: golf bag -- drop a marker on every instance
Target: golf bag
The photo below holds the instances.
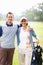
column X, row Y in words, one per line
column 37, row 56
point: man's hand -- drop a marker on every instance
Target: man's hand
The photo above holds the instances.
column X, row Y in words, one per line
column 30, row 28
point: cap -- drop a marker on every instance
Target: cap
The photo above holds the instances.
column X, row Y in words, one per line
column 23, row 18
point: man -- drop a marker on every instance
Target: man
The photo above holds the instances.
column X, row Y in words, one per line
column 7, row 47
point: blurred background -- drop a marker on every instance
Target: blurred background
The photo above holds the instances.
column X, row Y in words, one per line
column 31, row 9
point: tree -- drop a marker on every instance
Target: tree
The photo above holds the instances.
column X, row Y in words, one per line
column 34, row 14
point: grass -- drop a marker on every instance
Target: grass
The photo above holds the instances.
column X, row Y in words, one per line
column 38, row 27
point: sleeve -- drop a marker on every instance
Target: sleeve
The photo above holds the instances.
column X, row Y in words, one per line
column 0, row 31
column 17, row 35
column 18, row 26
column 34, row 34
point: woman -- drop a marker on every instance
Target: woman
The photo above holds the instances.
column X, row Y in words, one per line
column 25, row 42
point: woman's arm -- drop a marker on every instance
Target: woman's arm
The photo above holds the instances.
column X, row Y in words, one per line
column 34, row 35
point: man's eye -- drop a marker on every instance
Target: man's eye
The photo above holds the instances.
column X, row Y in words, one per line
column 9, row 17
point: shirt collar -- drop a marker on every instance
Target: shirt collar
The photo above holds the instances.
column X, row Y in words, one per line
column 8, row 24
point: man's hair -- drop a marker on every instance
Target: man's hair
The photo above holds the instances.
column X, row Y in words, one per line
column 9, row 13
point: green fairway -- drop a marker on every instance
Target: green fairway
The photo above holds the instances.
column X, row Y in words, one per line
column 38, row 27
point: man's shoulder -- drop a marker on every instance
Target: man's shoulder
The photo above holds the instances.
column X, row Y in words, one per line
column 4, row 24
column 14, row 25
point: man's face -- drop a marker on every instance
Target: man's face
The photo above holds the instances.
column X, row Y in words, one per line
column 10, row 18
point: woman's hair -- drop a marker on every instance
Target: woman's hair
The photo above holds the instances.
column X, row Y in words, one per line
column 21, row 24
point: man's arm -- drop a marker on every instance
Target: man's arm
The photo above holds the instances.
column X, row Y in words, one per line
column 19, row 26
column 17, row 34
column 0, row 31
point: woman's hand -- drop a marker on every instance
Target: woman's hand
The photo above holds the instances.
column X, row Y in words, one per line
column 37, row 41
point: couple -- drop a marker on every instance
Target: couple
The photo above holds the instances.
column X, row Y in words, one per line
column 24, row 39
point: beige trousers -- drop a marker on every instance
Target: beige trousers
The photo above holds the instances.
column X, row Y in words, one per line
column 25, row 56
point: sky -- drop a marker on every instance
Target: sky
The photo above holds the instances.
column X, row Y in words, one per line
column 17, row 6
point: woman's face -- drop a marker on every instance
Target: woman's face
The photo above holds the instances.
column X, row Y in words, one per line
column 24, row 22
